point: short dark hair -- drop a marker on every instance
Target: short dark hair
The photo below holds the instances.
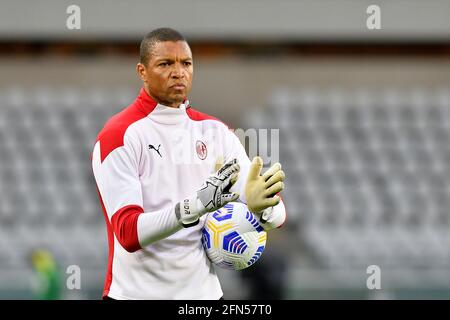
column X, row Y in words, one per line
column 155, row 36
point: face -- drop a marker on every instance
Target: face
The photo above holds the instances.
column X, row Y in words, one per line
column 168, row 73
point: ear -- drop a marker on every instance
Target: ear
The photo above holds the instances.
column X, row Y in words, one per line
column 141, row 70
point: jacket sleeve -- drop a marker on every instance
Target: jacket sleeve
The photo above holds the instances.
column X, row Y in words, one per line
column 119, row 187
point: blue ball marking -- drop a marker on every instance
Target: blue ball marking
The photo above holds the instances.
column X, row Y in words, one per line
column 234, row 243
column 206, row 239
column 256, row 256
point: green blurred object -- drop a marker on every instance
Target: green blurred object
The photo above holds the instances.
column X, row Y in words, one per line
column 47, row 284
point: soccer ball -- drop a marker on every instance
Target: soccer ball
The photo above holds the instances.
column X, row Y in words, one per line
column 232, row 237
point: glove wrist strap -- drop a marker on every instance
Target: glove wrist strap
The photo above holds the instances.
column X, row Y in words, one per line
column 189, row 211
column 265, row 215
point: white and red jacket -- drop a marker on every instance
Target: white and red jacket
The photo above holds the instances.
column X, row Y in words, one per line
column 146, row 159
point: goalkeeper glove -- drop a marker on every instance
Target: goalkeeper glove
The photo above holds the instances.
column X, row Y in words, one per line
column 214, row 194
column 261, row 190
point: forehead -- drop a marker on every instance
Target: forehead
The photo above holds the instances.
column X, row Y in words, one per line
column 171, row 49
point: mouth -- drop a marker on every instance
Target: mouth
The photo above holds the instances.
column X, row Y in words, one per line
column 178, row 86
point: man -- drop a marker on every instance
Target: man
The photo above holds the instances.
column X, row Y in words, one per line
column 156, row 169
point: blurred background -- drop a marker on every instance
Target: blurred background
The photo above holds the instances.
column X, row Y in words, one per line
column 364, row 130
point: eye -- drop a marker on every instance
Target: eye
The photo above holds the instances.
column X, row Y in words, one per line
column 187, row 63
column 163, row 64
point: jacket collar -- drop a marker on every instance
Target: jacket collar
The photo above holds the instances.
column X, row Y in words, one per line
column 159, row 112
column 145, row 102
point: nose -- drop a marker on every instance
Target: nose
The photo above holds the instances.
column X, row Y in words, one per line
column 177, row 71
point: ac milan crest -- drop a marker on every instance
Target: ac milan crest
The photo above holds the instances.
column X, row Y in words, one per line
column 201, row 149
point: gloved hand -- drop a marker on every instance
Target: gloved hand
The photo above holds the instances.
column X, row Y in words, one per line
column 261, row 190
column 213, row 195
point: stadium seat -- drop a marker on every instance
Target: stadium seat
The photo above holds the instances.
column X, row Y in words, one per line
column 367, row 173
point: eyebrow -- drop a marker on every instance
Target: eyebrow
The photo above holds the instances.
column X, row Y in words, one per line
column 170, row 59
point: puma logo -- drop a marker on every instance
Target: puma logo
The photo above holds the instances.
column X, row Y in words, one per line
column 150, row 146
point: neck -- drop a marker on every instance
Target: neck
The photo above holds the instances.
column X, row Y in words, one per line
column 166, row 103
